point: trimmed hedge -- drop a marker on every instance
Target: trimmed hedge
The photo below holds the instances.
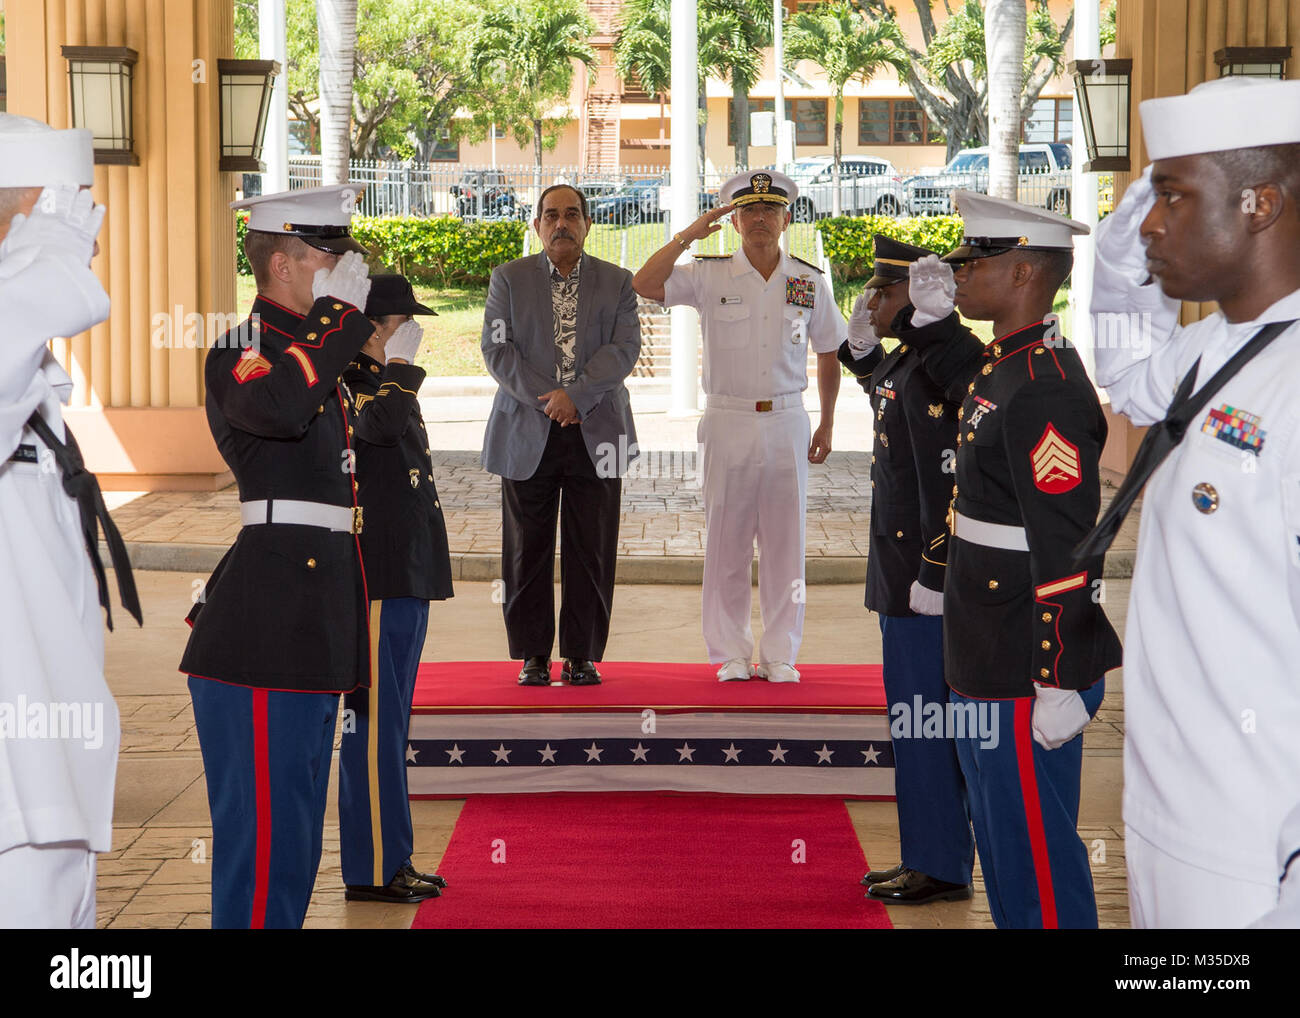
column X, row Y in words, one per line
column 439, row 251
column 847, row 240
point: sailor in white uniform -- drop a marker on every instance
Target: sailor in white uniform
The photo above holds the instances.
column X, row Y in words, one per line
column 1211, row 679
column 58, row 724
column 760, row 312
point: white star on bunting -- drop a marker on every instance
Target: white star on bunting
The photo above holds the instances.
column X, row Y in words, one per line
column 593, row 753
column 502, row 754
column 731, row 753
column 824, row 754
column 455, row 754
column 869, row 754
column 778, row 754
column 686, row 753
column 411, row 753
column 548, row 754
column 639, row 753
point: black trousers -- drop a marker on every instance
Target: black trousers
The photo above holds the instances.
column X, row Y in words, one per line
column 588, row 551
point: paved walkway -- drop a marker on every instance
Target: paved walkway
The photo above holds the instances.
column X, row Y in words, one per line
column 661, row 536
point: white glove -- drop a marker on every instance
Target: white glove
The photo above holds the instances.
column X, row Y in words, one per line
column 348, row 281
column 1059, row 715
column 862, row 336
column 923, row 600
column 405, row 342
column 1119, row 241
column 931, row 290
column 64, row 221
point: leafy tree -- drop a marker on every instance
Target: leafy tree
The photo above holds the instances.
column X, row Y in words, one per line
column 845, row 45
column 411, row 72
column 526, row 48
column 1108, row 12
column 948, row 75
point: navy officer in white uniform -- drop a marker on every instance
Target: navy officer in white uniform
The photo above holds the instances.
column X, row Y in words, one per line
column 760, row 311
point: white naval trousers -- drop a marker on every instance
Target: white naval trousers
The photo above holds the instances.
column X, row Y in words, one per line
column 755, row 481
column 1168, row 894
column 47, row 887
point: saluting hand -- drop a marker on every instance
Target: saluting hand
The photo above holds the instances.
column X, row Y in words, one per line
column 706, row 224
column 862, row 334
column 348, row 281
column 931, row 289
column 65, row 220
column 404, row 343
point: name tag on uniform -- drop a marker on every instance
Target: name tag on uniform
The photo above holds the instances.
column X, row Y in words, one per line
column 729, row 300
column 800, row 292
column 25, row 454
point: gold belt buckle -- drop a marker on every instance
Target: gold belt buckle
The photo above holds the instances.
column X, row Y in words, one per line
column 357, row 518
column 763, row 405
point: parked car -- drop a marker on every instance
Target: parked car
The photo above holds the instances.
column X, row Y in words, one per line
column 487, row 194
column 1044, row 180
column 637, row 201
column 868, row 185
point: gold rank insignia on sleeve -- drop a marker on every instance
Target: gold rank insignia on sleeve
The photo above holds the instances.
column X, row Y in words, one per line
column 935, row 410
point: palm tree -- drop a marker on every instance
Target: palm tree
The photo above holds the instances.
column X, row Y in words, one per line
column 527, row 47
column 336, row 22
column 746, row 28
column 1005, row 26
column 840, row 40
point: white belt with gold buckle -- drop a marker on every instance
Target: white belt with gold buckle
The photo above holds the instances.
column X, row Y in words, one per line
column 761, row 406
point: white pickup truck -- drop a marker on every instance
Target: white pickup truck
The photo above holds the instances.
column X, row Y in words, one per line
column 1044, row 180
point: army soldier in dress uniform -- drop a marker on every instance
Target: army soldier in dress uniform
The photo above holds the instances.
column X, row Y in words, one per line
column 760, row 311
column 404, row 546
column 1024, row 634
column 911, row 482
column 282, row 628
column 1211, row 696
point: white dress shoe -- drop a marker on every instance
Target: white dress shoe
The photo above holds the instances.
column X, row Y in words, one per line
column 778, row 672
column 734, row 670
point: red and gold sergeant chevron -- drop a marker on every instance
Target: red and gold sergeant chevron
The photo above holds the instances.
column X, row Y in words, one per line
column 1056, row 463
column 250, row 365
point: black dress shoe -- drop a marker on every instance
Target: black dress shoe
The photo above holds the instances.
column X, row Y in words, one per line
column 916, row 888
column 427, row 878
column 405, row 887
column 881, row 876
column 578, row 672
column 536, row 672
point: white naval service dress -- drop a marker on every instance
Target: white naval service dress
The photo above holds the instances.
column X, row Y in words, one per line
column 56, row 792
column 757, row 334
column 1212, row 649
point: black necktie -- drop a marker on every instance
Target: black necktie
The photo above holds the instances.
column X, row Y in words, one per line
column 1162, row 438
column 82, row 486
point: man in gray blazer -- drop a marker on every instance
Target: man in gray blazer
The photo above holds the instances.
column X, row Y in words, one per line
column 560, row 333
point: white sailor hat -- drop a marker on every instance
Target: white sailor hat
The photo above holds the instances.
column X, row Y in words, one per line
column 996, row 225
column 34, row 154
column 758, row 185
column 1226, row 113
column 319, row 216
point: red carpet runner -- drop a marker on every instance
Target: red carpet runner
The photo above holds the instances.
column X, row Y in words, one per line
column 652, row 861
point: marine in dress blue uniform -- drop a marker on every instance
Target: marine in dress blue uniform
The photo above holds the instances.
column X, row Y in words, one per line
column 407, row 565
column 911, row 484
column 281, row 628
column 1024, row 632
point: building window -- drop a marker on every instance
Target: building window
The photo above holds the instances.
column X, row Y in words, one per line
column 1050, row 120
column 809, row 121
column 755, row 106
column 447, row 149
column 895, row 122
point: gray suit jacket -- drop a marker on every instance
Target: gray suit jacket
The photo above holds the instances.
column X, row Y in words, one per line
column 519, row 349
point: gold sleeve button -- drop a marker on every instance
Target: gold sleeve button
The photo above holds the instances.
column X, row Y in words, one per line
column 311, row 563
column 324, row 320
column 1047, row 616
column 1047, row 645
column 993, row 584
column 1044, row 672
column 899, row 534
column 338, row 307
column 311, row 335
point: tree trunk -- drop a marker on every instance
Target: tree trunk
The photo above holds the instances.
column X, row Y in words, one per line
column 1004, row 41
column 740, row 106
column 704, row 132
column 537, row 158
column 337, row 30
column 835, row 161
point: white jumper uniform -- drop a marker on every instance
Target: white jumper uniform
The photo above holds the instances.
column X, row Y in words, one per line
column 59, row 728
column 756, row 335
column 1212, row 651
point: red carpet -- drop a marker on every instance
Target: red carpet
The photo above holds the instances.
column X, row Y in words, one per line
column 652, row 861
column 448, row 686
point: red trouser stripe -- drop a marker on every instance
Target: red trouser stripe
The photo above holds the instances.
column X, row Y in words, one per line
column 262, row 783
column 1034, row 811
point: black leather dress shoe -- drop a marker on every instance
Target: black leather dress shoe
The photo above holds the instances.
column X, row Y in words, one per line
column 403, row 888
column 578, row 672
column 427, row 878
column 916, row 888
column 536, row 672
column 881, row 876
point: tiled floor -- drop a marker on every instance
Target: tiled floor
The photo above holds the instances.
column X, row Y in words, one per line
column 158, row 873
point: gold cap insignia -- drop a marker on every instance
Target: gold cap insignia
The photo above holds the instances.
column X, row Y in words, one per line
column 761, row 183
